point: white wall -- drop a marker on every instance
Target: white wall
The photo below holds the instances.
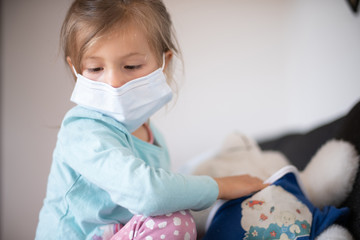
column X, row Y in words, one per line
column 261, row 67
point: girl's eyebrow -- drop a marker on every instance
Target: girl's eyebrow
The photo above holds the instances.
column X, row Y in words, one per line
column 124, row 56
column 134, row 54
column 92, row 57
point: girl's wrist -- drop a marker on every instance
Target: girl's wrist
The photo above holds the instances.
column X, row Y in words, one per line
column 219, row 183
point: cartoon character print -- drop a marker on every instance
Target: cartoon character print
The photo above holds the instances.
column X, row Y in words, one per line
column 286, row 221
column 254, row 204
column 275, row 213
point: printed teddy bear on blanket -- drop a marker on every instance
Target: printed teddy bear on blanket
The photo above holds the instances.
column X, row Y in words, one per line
column 297, row 205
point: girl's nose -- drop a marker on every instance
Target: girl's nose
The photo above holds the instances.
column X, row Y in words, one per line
column 115, row 79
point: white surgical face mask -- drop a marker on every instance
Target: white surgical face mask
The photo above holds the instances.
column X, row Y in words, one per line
column 131, row 104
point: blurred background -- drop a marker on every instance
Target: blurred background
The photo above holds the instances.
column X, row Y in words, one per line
column 261, row 67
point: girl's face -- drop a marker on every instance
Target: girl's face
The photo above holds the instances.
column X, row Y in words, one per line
column 119, row 57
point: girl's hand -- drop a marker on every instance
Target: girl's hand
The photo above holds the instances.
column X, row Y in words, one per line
column 238, row 186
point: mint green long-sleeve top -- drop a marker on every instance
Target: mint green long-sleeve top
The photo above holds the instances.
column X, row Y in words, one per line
column 101, row 174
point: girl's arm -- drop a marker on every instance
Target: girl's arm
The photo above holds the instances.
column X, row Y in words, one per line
column 100, row 154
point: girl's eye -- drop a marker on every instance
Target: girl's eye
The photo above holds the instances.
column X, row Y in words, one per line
column 132, row 67
column 94, row 70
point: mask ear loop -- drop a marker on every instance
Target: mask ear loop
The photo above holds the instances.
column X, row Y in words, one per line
column 76, row 74
column 163, row 64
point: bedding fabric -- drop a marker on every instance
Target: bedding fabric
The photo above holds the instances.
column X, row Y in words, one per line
column 299, row 148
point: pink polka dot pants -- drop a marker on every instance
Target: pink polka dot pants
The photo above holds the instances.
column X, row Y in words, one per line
column 173, row 226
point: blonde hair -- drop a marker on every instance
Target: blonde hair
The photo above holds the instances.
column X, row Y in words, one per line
column 88, row 20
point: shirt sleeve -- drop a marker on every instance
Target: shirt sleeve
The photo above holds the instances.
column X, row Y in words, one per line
column 102, row 154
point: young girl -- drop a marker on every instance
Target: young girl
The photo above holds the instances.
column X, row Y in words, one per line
column 110, row 177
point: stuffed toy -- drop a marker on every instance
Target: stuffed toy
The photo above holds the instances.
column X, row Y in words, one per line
column 299, row 147
column 296, row 205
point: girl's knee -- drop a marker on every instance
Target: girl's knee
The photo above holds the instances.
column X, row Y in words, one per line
column 178, row 225
column 182, row 222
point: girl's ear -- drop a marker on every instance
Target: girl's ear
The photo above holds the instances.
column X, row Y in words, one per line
column 68, row 59
column 168, row 56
